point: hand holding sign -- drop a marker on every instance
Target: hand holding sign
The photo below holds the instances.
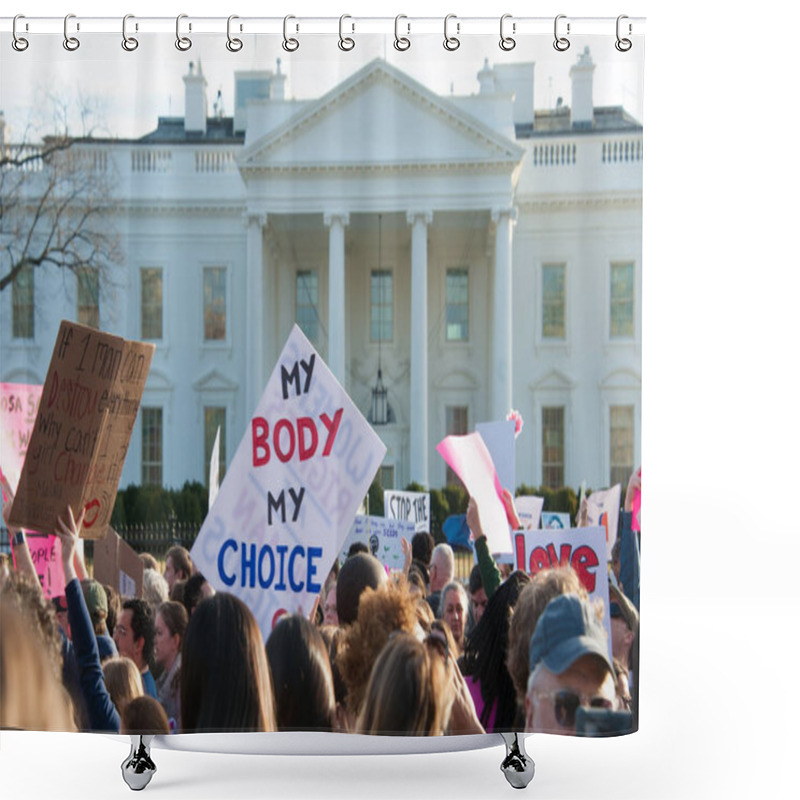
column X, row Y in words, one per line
column 68, row 533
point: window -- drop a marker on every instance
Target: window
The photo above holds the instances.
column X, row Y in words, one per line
column 307, row 298
column 386, row 476
column 214, row 310
column 22, row 304
column 381, row 306
column 456, row 422
column 554, row 301
column 457, row 292
column 152, row 303
column 621, row 439
column 621, row 301
column 88, row 296
column 553, row 447
column 152, row 450
column 215, row 420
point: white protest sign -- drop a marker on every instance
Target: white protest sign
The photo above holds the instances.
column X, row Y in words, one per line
column 602, row 509
column 584, row 549
column 213, row 472
column 499, row 440
column 413, row 506
column 291, row 493
column 383, row 538
column 529, row 510
column 555, row 520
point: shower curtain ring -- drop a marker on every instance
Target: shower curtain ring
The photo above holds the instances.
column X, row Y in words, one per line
column 19, row 43
column 507, row 42
column 623, row 45
column 129, row 43
column 289, row 44
column 561, row 43
column 71, row 43
column 183, row 43
column 401, row 43
column 451, row 42
column 346, row 43
column 233, row 44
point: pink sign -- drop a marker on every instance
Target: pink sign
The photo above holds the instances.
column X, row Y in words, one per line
column 469, row 458
column 18, row 405
column 46, row 557
column 636, row 508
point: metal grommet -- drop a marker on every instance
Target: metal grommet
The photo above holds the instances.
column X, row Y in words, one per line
column 346, row 43
column 183, row 43
column 129, row 43
column 401, row 43
column 561, row 43
column 71, row 43
column 506, row 42
column 19, row 43
column 623, row 45
column 451, row 42
column 289, row 44
column 233, row 45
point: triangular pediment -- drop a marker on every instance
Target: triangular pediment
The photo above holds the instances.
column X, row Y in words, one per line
column 554, row 380
column 214, row 381
column 380, row 118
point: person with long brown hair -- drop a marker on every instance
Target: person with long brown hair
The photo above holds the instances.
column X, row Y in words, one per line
column 171, row 622
column 123, row 681
column 225, row 680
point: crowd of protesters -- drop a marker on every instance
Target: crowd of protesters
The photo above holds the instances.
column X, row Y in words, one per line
column 415, row 652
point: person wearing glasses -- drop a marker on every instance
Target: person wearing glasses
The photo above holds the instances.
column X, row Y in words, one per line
column 570, row 667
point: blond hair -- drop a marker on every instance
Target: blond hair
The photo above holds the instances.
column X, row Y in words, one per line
column 123, row 681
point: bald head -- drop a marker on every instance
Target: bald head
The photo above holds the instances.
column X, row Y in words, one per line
column 358, row 572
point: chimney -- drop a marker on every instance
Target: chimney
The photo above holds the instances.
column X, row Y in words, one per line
column 486, row 78
column 582, row 100
column 277, row 84
column 196, row 112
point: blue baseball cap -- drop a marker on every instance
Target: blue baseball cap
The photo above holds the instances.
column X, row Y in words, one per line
column 567, row 630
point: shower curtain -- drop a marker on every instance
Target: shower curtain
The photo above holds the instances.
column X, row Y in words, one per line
column 377, row 273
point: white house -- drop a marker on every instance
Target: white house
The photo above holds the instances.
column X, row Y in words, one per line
column 476, row 253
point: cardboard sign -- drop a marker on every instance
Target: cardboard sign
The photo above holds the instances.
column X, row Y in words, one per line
column 602, row 509
column 584, row 549
column 555, row 520
column 383, row 537
column 18, row 405
column 413, row 506
column 83, row 426
column 469, row 458
column 499, row 440
column 529, row 510
column 291, row 493
column 118, row 564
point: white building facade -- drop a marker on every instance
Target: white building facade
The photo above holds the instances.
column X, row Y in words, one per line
column 482, row 255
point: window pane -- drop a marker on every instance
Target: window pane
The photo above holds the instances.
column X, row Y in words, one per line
column 381, row 306
column 457, row 311
column 553, row 447
column 22, row 304
column 307, row 296
column 215, row 419
column 622, row 300
column 152, row 454
column 387, row 476
column 88, row 297
column 214, row 310
column 553, row 301
column 456, row 422
column 152, row 303
column 621, row 439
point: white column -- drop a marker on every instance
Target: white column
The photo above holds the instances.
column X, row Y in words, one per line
column 418, row 457
column 254, row 341
column 502, row 364
column 336, row 222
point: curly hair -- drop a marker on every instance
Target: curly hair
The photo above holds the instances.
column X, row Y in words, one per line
column 381, row 612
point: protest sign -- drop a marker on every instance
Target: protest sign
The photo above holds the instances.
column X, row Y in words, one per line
column 499, row 440
column 383, row 537
column 555, row 520
column 583, row 549
column 18, row 404
column 602, row 509
column 118, row 564
column 46, row 556
column 636, row 507
column 413, row 506
column 213, row 473
column 89, row 404
column 292, row 490
column 529, row 510
column 469, row 458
